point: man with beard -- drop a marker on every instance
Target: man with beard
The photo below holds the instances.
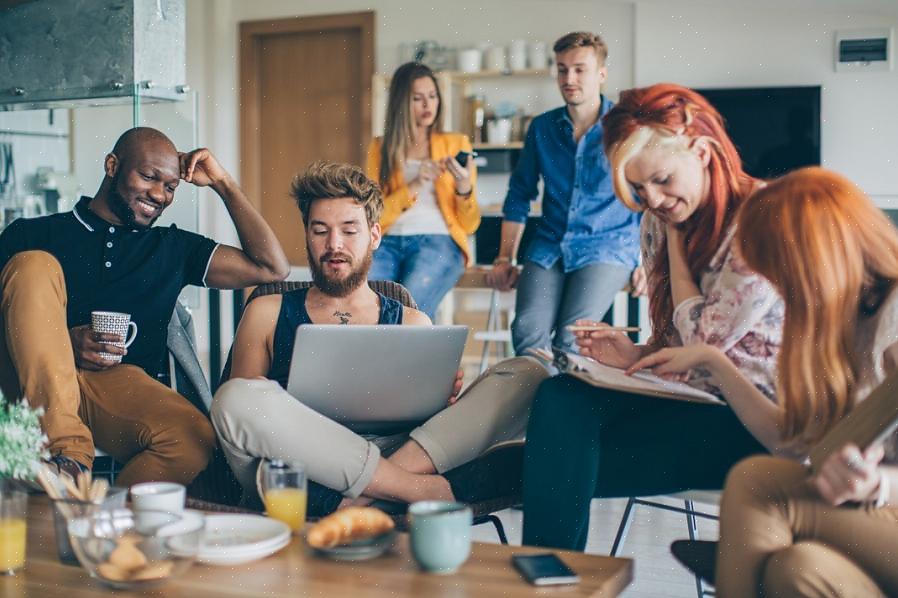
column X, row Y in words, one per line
column 106, row 255
column 256, row 418
column 587, row 243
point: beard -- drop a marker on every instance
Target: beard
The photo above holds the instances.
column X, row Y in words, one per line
column 122, row 209
column 339, row 287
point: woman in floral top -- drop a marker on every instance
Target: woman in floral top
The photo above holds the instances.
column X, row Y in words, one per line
column 670, row 156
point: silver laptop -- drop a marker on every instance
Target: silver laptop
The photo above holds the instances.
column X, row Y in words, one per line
column 375, row 378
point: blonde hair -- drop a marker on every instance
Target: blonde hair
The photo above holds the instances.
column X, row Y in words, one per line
column 399, row 129
column 833, row 256
column 583, row 39
column 627, row 149
column 333, row 180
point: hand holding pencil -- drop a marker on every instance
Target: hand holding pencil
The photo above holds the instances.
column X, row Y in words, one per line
column 606, row 344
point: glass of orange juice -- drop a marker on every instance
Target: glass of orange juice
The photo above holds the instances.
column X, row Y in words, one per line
column 284, row 492
column 13, row 511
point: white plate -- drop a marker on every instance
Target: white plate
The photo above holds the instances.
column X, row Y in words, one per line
column 239, row 558
column 237, row 535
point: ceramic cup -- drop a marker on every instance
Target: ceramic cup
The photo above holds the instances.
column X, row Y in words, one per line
column 113, row 322
column 440, row 535
column 158, row 496
column 469, row 60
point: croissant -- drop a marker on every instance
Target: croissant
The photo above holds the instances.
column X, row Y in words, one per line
column 348, row 525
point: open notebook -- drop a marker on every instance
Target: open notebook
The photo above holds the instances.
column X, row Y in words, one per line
column 641, row 383
column 869, row 423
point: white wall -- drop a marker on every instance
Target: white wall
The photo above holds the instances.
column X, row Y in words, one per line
column 733, row 46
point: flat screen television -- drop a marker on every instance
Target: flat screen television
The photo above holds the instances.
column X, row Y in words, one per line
column 775, row 129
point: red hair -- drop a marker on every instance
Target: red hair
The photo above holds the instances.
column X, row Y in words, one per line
column 671, row 111
column 833, row 257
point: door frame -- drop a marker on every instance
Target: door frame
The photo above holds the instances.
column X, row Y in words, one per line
column 251, row 35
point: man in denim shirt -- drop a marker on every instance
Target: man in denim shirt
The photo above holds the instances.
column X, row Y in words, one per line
column 587, row 242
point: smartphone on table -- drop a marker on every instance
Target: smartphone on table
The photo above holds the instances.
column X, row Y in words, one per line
column 544, row 569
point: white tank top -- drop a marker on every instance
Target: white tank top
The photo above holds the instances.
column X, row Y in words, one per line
column 424, row 217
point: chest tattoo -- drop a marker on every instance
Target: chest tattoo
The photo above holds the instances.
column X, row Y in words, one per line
column 344, row 316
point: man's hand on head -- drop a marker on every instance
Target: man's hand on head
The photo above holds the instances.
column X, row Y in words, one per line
column 456, row 388
column 201, row 168
column 88, row 344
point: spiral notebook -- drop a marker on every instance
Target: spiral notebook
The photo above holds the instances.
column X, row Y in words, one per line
column 641, row 383
column 869, row 423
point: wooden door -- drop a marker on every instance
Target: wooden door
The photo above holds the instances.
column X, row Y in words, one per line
column 305, row 96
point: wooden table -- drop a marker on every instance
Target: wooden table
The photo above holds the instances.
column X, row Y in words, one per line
column 292, row 572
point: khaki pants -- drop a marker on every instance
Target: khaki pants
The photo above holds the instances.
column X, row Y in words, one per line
column 778, row 538
column 258, row 419
column 155, row 431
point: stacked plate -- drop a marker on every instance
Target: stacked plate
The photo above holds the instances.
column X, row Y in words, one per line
column 237, row 539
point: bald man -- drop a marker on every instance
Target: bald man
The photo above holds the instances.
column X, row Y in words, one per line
column 106, row 255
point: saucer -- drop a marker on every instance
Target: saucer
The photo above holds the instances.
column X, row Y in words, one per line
column 360, row 550
column 235, row 539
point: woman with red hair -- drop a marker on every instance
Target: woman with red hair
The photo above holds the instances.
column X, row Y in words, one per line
column 670, row 157
column 833, row 256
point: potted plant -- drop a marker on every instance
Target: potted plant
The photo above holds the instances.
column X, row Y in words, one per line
column 22, row 446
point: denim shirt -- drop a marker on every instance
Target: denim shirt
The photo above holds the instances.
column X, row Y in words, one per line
column 583, row 222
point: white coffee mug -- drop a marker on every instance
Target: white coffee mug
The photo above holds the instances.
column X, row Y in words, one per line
column 469, row 60
column 113, row 322
column 517, row 55
column 158, row 496
column 494, row 59
column 537, row 57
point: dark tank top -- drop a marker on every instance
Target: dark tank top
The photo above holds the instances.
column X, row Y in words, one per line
column 293, row 314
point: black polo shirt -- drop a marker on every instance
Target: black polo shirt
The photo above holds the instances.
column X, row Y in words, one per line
column 115, row 268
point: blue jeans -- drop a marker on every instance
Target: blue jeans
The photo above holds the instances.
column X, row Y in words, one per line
column 549, row 300
column 427, row 265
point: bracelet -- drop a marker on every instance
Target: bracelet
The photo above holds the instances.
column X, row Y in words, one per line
column 505, row 260
column 465, row 195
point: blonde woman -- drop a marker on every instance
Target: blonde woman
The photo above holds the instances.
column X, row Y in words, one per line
column 430, row 205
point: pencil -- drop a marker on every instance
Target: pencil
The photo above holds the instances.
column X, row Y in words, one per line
column 573, row 328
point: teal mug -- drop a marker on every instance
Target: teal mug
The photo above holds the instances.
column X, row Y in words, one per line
column 440, row 534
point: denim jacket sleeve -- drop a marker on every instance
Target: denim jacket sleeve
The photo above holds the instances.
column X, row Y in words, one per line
column 522, row 188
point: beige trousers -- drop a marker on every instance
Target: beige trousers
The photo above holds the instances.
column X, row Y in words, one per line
column 155, row 431
column 258, row 419
column 778, row 538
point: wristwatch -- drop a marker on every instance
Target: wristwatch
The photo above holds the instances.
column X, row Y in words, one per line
column 505, row 260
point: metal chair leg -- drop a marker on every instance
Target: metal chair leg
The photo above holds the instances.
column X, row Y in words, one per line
column 500, row 529
column 692, row 527
column 624, row 527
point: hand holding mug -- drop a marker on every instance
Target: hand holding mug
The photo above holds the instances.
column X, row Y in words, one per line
column 90, row 347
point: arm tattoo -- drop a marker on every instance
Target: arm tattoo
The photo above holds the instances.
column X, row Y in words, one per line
column 344, row 316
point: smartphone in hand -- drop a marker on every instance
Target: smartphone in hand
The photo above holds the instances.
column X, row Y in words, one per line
column 544, row 569
column 462, row 158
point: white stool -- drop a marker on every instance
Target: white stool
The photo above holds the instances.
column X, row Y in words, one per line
column 494, row 332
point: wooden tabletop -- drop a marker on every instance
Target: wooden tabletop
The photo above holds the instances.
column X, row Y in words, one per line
column 293, row 572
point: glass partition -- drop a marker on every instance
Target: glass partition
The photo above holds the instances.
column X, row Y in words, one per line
column 52, row 154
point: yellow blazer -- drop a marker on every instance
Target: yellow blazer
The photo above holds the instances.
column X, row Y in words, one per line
column 462, row 214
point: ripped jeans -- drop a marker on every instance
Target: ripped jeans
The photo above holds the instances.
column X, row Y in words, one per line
column 427, row 265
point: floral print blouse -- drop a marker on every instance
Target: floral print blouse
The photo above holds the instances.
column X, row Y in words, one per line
column 738, row 311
